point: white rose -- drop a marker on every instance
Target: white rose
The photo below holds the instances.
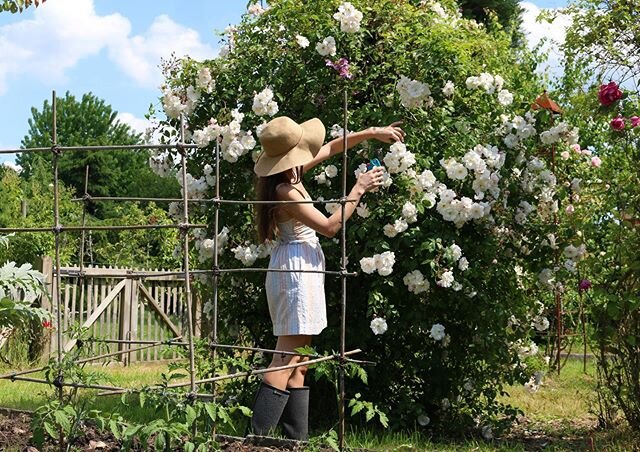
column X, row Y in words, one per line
column 437, row 332
column 378, row 325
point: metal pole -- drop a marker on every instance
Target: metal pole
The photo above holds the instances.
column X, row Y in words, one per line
column 185, row 249
column 57, row 230
column 214, row 338
column 343, row 265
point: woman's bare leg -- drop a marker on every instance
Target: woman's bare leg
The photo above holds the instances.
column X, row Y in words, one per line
column 289, row 378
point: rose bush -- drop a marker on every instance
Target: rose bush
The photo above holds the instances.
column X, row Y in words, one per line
column 459, row 254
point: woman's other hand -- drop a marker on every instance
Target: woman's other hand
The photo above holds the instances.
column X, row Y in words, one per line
column 389, row 134
column 372, row 179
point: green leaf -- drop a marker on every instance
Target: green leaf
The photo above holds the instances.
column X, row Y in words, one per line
column 210, row 408
column 190, row 415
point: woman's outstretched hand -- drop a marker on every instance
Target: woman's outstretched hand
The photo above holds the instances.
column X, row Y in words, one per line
column 372, row 179
column 389, row 134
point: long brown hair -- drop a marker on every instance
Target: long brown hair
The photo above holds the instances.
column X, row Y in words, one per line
column 266, row 191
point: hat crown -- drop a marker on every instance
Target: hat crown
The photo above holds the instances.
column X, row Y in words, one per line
column 280, row 135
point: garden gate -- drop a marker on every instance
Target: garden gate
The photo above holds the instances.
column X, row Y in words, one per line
column 119, row 306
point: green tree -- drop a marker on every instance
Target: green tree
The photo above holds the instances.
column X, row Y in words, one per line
column 508, row 12
column 86, row 122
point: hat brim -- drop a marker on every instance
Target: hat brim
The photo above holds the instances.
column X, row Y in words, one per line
column 307, row 148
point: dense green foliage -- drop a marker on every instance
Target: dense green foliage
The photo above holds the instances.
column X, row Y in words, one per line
column 603, row 45
column 451, row 377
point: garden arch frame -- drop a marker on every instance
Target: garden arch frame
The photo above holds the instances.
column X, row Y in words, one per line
column 343, row 357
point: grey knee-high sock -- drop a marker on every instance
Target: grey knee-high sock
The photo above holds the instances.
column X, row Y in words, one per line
column 267, row 409
column 295, row 417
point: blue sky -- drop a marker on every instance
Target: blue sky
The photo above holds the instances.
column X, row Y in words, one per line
column 113, row 47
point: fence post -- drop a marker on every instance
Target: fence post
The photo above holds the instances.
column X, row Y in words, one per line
column 44, row 264
column 133, row 325
column 125, row 321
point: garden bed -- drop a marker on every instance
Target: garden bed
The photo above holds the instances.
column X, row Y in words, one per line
column 15, row 435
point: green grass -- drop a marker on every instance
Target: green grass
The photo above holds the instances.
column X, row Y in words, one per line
column 29, row 396
column 558, row 416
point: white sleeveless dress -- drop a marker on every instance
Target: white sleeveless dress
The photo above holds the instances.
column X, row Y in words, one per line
column 296, row 300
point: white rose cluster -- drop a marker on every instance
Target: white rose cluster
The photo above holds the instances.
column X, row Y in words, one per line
column 204, row 82
column 248, row 254
column 235, row 141
column 448, row 88
column 349, row 18
column 540, row 323
column 203, row 137
column 382, row 263
column 488, row 82
column 391, row 230
column 562, row 132
column 460, row 211
column 324, row 177
column 547, row 278
column 337, row 131
column 517, row 129
column 415, row 282
column 302, row 41
column 175, row 104
column 541, row 182
column 196, row 188
column 263, row 103
column 161, row 163
column 446, row 279
column 491, row 84
column 453, row 252
column 327, row 47
column 378, row 326
column 410, row 212
column 206, row 247
column 574, row 255
column 398, row 159
column 526, row 349
column 363, row 211
column 256, row 9
column 413, row 94
column 505, row 98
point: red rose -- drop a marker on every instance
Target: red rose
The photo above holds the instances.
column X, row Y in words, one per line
column 617, row 123
column 635, row 121
column 609, row 93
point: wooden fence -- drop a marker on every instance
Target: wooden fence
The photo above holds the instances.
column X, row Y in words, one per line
column 114, row 304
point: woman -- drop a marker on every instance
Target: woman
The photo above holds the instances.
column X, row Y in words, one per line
column 296, row 300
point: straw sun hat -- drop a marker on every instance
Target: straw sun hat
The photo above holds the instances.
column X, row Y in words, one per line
column 287, row 144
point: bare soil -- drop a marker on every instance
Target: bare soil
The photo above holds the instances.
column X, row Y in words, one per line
column 15, row 436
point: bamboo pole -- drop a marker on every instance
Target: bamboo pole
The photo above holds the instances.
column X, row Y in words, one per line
column 251, row 372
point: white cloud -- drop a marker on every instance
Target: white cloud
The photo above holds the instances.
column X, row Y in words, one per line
column 12, row 165
column 62, row 33
column 554, row 33
column 140, row 55
column 139, row 125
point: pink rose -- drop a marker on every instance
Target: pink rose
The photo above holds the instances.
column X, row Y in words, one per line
column 575, row 148
column 596, row 162
column 570, row 209
column 635, row 121
column 609, row 93
column 564, row 155
column 617, row 123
